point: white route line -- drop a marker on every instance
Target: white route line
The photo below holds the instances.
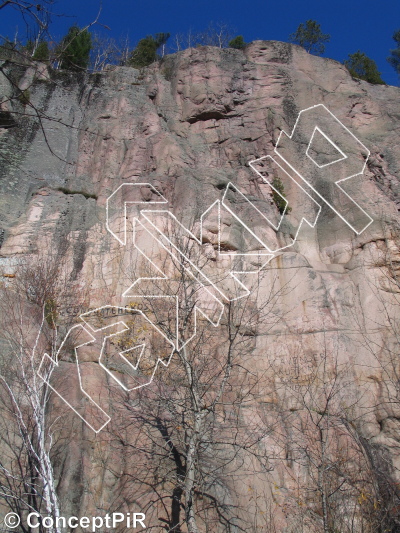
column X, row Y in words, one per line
column 89, row 330
column 194, row 272
column 134, row 367
column 163, row 277
column 268, row 253
column 338, row 181
column 153, row 189
column 55, row 362
column 344, row 156
column 186, row 258
column 303, row 219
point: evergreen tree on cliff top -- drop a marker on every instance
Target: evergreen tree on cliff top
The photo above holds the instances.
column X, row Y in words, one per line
column 364, row 68
column 74, row 49
column 309, row 35
column 146, row 51
column 238, row 43
column 394, row 58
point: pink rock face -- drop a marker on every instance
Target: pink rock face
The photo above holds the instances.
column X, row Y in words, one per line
column 322, row 337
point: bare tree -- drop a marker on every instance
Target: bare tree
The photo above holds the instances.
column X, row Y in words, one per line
column 216, row 34
column 16, row 102
column 37, row 11
column 329, row 472
column 107, row 51
column 31, row 434
column 189, row 432
column 379, row 338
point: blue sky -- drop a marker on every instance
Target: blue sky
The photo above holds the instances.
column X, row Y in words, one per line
column 365, row 25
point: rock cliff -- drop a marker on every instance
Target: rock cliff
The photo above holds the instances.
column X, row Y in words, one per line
column 328, row 348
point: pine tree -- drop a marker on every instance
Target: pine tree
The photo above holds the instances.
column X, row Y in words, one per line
column 146, row 51
column 309, row 36
column 278, row 196
column 161, row 40
column 42, row 52
column 394, row 58
column 364, row 68
column 74, row 49
column 237, row 42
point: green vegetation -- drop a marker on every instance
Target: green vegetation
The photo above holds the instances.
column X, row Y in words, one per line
column 309, row 35
column 83, row 193
column 74, row 49
column 41, row 53
column 364, row 68
column 81, row 50
column 277, row 198
column 24, row 97
column 237, row 42
column 161, row 39
column 50, row 312
column 394, row 58
column 144, row 54
column 7, row 49
column 146, row 51
column 168, row 70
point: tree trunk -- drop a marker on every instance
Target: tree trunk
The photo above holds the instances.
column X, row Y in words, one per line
column 190, row 475
column 321, row 482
